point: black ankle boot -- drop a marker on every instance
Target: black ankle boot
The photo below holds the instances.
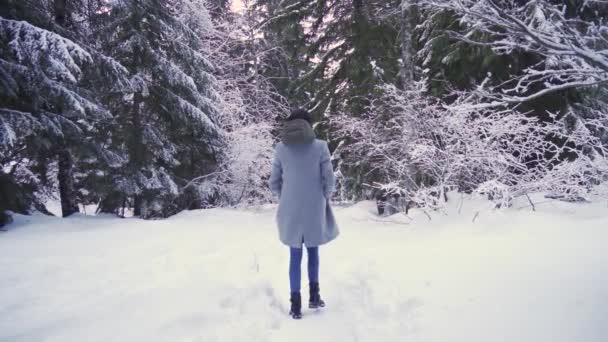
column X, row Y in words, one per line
column 296, row 305
column 315, row 300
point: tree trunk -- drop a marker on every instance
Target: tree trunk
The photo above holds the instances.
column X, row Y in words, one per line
column 110, row 204
column 65, row 165
column 60, row 11
column 8, row 194
column 137, row 204
column 137, row 151
column 408, row 22
column 67, row 194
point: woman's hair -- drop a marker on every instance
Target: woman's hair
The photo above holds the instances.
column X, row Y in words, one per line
column 300, row 113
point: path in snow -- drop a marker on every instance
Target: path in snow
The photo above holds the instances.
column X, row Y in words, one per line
column 221, row 275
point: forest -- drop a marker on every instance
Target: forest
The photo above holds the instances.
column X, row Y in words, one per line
column 152, row 107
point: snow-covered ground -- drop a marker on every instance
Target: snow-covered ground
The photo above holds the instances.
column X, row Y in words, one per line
column 221, row 275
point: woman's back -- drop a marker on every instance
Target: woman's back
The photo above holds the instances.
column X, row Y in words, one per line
column 302, row 177
column 301, row 166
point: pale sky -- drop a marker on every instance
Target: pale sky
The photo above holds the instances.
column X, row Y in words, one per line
column 236, row 5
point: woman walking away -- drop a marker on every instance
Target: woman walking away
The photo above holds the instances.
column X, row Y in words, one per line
column 303, row 179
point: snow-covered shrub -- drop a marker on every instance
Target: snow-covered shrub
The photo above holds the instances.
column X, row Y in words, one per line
column 247, row 109
column 482, row 142
column 249, row 159
column 421, row 147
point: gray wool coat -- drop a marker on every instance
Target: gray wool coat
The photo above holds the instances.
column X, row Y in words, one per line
column 303, row 179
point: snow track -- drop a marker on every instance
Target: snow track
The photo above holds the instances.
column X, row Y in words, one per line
column 221, row 275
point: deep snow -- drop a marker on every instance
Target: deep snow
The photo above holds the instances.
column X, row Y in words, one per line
column 221, row 275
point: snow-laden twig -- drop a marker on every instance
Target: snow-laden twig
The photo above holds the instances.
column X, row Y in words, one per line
column 422, row 149
column 574, row 56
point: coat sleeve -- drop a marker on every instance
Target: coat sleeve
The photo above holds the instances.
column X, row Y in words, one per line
column 327, row 172
column 276, row 175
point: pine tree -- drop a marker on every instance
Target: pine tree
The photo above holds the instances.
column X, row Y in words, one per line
column 340, row 51
column 55, row 119
column 284, row 43
column 45, row 109
column 167, row 124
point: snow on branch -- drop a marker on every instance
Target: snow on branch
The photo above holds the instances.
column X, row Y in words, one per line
column 574, row 49
column 420, row 148
column 34, row 47
column 44, row 69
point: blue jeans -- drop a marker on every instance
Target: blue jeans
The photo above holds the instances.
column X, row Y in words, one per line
column 295, row 261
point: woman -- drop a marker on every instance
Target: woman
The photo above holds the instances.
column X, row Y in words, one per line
column 303, row 179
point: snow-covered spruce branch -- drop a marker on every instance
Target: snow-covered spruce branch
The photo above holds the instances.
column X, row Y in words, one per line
column 288, row 12
column 574, row 49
